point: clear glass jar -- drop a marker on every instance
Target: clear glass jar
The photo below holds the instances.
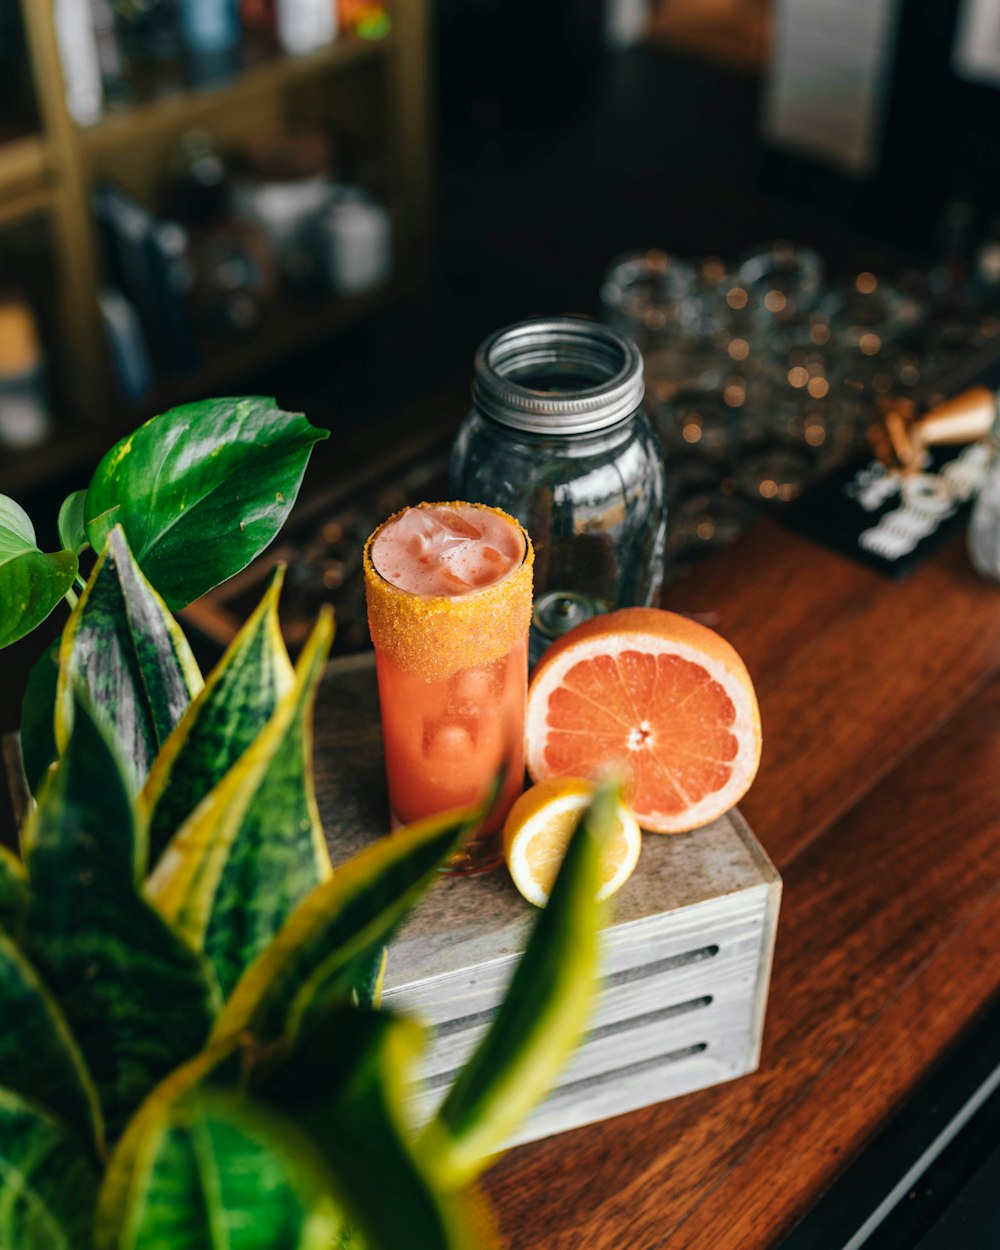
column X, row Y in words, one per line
column 558, row 438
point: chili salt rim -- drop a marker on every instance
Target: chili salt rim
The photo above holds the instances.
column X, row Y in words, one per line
column 436, row 635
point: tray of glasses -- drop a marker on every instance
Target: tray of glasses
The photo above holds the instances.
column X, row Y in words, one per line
column 686, row 959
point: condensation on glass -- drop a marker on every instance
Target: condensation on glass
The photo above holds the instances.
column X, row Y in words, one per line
column 557, row 436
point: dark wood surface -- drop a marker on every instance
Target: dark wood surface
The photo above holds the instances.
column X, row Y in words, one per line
column 879, row 800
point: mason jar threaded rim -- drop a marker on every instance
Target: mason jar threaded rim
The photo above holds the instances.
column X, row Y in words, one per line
column 604, row 368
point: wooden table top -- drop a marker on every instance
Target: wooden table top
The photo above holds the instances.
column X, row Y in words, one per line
column 879, row 800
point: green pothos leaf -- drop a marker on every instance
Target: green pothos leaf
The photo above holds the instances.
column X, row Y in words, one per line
column 254, row 847
column 139, row 1001
column 72, row 532
column 200, row 490
column 217, row 1172
column 125, row 648
column 238, row 699
column 38, row 714
column 48, row 1186
column 31, row 582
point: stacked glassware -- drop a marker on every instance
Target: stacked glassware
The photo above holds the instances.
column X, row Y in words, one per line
column 762, row 376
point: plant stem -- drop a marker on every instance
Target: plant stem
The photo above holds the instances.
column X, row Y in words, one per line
column 71, row 598
column 80, row 582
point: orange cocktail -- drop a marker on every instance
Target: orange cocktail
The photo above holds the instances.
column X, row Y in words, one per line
column 449, row 605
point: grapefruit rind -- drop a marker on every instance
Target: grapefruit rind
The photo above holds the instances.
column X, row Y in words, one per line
column 730, row 675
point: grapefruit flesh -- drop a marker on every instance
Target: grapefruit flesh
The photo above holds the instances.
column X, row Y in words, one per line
column 657, row 696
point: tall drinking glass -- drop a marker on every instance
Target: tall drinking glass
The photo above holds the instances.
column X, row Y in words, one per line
column 448, row 587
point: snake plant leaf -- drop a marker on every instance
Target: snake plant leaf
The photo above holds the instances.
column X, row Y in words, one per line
column 40, row 1058
column 13, row 893
column 200, row 490
column 238, row 699
column 217, row 1172
column 540, row 1019
column 123, row 645
column 221, row 1065
column 344, row 1082
column 72, row 531
column 254, row 847
column 38, row 714
column 48, row 1186
column 139, row 1001
column 335, row 932
column 31, row 582
column 369, row 987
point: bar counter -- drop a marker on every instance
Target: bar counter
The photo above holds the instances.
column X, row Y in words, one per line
column 878, row 799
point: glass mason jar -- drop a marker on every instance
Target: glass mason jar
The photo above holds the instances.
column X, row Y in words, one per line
column 558, row 438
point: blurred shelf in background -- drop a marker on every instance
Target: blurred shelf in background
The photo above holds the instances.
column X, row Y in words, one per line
column 288, row 325
column 24, row 185
column 364, row 98
column 266, row 70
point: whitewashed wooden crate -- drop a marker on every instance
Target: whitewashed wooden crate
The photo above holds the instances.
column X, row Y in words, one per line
column 687, row 959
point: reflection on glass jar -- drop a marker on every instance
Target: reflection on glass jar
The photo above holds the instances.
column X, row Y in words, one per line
column 557, row 437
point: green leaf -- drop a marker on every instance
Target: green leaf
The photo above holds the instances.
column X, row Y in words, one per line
column 369, row 988
column 254, row 847
column 13, row 893
column 31, row 582
column 216, row 1172
column 38, row 714
column 540, row 1019
column 123, row 645
column 344, row 1081
column 39, row 1058
column 72, row 531
column 138, row 1000
column 220, row 1064
column 201, row 490
column 332, row 936
column 47, row 1184
column 238, row 700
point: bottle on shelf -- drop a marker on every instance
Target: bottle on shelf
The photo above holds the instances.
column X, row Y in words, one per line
column 212, row 36
column 81, row 63
column 210, row 26
column 109, row 51
column 25, row 420
column 229, row 262
column 145, row 258
column 305, row 25
column 356, row 243
column 258, row 17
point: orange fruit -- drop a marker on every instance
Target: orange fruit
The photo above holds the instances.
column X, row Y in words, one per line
column 653, row 694
column 538, row 829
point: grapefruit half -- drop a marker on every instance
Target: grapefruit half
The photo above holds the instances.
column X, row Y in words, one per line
column 657, row 696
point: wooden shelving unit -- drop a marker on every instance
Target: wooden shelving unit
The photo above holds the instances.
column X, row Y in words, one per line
column 24, row 185
column 183, row 110
column 52, row 174
column 289, row 325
